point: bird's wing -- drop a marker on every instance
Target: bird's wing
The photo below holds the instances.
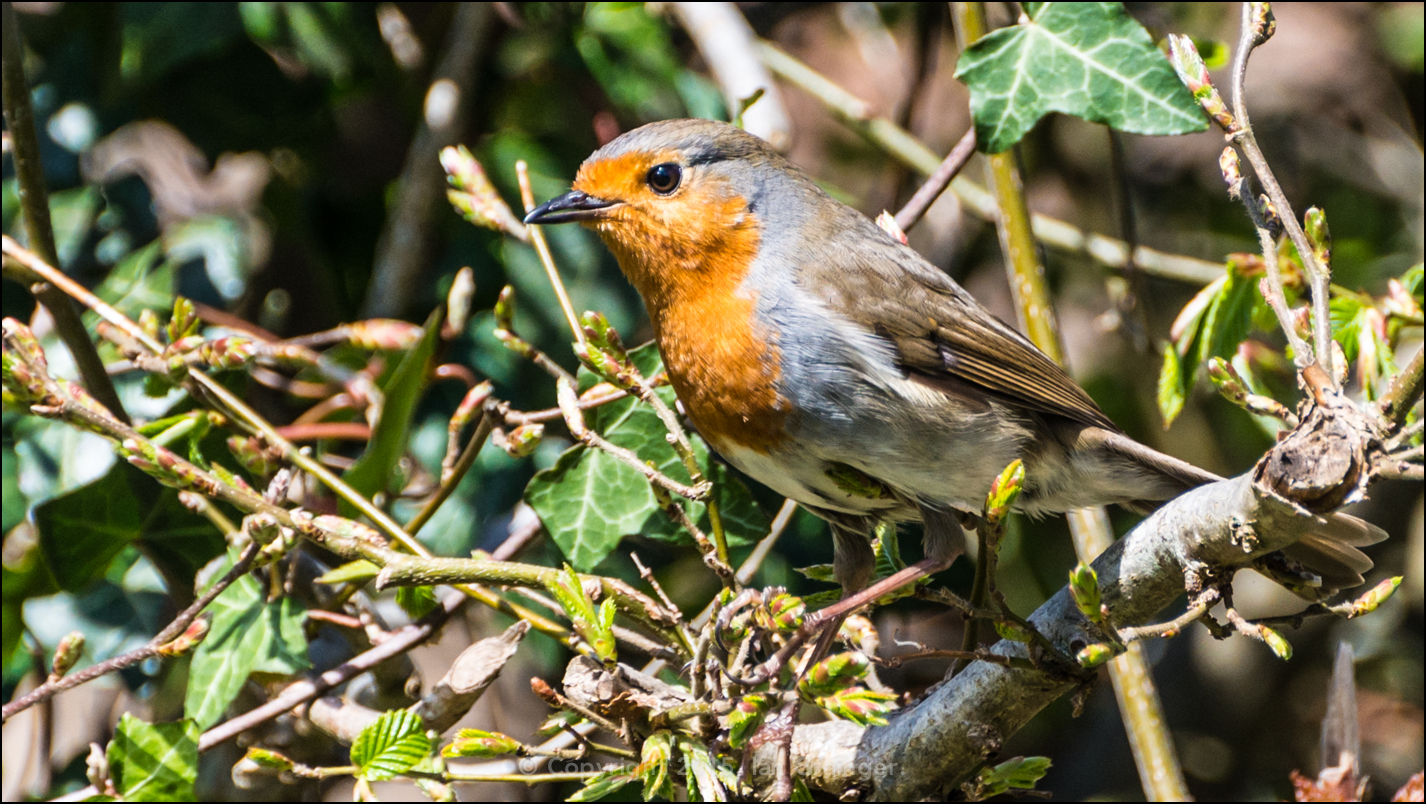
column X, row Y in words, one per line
column 943, row 336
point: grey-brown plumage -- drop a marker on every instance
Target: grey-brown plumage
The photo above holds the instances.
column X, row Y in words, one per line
column 869, row 358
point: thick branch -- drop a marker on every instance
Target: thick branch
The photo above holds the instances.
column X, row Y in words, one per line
column 934, row 745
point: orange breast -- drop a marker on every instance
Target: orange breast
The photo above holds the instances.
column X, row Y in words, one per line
column 688, row 260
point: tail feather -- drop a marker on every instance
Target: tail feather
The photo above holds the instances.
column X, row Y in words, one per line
column 1332, row 551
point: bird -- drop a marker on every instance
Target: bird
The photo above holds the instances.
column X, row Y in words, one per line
column 831, row 362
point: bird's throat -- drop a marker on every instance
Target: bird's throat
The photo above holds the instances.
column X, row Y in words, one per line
column 722, row 362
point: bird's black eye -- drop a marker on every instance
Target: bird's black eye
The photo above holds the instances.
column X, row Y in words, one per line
column 663, row 179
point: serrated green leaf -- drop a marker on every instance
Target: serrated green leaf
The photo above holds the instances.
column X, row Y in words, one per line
column 602, row 785
column 1227, row 320
column 1347, row 319
column 402, row 391
column 153, row 761
column 589, row 500
column 247, row 635
column 653, row 767
column 1090, row 60
column 480, row 744
column 391, row 745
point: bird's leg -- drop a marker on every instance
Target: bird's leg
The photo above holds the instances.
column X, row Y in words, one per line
column 853, row 563
column 944, row 542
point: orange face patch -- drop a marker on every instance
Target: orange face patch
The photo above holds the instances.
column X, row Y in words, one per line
column 687, row 254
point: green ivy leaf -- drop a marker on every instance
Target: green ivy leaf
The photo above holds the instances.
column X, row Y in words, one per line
column 247, row 635
column 135, row 284
column 1090, row 60
column 416, row 601
column 589, row 500
column 392, row 744
column 82, row 530
column 153, row 761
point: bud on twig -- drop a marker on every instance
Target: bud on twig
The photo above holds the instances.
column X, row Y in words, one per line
column 1004, row 491
column 887, row 222
column 1232, row 175
column 1183, row 54
column 1084, row 588
column 66, row 654
column 1264, row 24
column 1314, row 224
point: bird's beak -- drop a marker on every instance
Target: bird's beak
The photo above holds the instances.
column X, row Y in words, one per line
column 572, row 206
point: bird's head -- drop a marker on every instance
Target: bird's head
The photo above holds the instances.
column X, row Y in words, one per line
column 678, row 202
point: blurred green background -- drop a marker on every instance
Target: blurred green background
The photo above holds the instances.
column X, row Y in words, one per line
column 271, row 149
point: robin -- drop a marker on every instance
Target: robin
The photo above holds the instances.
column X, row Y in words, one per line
column 829, row 361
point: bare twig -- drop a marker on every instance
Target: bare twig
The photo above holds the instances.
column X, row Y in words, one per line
column 574, row 419
column 1272, row 286
column 170, row 632
column 542, row 248
column 34, row 198
column 1173, row 627
column 1405, row 389
column 1317, row 274
column 462, row 465
column 926, row 195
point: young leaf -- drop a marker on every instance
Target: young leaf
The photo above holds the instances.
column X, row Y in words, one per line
column 391, row 745
column 153, row 761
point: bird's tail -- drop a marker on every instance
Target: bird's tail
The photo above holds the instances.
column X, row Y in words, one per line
column 1330, row 551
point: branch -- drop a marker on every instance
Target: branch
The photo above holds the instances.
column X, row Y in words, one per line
column 936, row 744
column 29, row 172
column 1405, row 389
column 154, row 647
column 1250, row 36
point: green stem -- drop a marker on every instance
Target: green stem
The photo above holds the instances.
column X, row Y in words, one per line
column 1139, row 705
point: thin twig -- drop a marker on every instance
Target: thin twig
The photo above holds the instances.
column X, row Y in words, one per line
column 1405, row 434
column 574, row 419
column 34, row 199
column 542, row 248
column 1317, row 273
column 458, row 471
column 1173, row 627
column 1272, row 288
column 170, row 632
column 1403, row 392
column 926, row 195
